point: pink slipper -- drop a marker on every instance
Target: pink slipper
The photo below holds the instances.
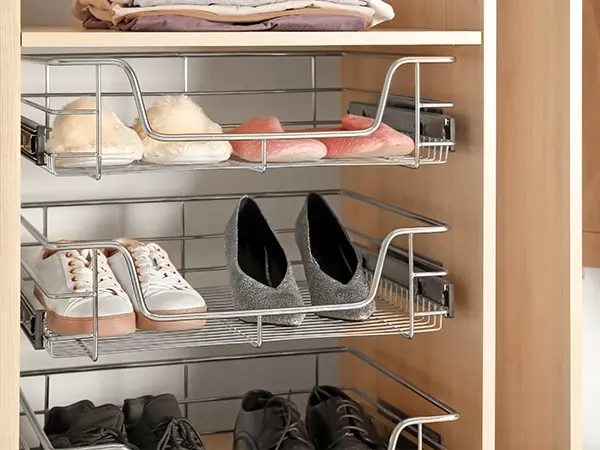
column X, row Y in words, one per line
column 384, row 142
column 277, row 151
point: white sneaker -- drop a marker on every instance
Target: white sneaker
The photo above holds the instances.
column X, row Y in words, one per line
column 164, row 289
column 68, row 272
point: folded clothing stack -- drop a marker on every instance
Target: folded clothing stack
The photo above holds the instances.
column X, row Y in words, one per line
column 232, row 15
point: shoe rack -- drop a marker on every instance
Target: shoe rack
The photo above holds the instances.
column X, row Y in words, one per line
column 412, row 291
column 313, row 360
column 402, row 310
column 432, row 148
column 440, row 202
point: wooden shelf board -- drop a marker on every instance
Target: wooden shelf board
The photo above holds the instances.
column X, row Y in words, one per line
column 75, row 37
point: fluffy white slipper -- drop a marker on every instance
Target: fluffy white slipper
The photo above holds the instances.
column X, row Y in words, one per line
column 180, row 115
column 77, row 133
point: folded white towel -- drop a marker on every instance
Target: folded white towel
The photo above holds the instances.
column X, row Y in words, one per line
column 180, row 115
column 383, row 11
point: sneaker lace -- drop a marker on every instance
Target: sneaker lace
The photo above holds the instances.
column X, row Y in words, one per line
column 80, row 269
column 291, row 426
column 354, row 425
column 177, row 434
column 155, row 270
column 100, row 435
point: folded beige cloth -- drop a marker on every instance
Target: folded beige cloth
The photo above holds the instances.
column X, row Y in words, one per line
column 101, row 9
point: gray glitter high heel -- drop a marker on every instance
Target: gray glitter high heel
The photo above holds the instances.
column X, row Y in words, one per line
column 260, row 273
column 333, row 268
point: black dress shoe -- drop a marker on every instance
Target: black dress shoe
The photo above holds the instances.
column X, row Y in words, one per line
column 336, row 422
column 156, row 423
column 82, row 425
column 268, row 422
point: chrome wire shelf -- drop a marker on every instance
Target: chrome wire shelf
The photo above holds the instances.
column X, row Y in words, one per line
column 429, row 149
column 405, row 306
column 395, row 423
column 391, row 317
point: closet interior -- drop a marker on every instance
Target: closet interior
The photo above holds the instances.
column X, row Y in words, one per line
column 417, row 364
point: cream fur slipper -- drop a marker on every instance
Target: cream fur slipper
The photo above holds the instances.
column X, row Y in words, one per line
column 180, row 115
column 77, row 133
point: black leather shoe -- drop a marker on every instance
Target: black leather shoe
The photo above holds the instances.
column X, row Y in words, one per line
column 336, row 422
column 269, row 422
column 156, row 423
column 82, row 424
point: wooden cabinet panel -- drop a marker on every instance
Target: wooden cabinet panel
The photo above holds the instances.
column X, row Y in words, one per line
column 10, row 188
column 539, row 228
column 591, row 133
column 456, row 364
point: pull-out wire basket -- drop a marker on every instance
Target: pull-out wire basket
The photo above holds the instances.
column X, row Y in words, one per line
column 187, row 379
column 430, row 148
column 411, row 293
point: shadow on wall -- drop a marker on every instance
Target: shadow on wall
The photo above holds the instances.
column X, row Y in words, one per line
column 591, row 358
column 55, row 12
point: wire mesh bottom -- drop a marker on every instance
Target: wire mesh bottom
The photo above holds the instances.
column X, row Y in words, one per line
column 392, row 316
column 429, row 155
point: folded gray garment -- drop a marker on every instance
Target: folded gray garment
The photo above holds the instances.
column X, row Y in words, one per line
column 298, row 22
column 149, row 3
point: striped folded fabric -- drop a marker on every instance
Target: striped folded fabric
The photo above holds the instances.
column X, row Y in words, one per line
column 163, row 15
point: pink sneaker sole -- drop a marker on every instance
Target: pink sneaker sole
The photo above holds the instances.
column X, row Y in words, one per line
column 117, row 325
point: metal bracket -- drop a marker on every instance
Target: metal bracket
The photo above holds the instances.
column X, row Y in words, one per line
column 431, row 437
column 436, row 289
column 401, row 117
column 32, row 320
column 33, row 140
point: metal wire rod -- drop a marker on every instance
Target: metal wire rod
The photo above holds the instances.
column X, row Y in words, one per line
column 417, row 421
column 189, row 237
column 179, row 361
column 197, row 198
column 48, row 294
column 230, row 165
column 191, row 93
column 59, row 112
column 135, row 55
column 215, row 54
column 439, row 157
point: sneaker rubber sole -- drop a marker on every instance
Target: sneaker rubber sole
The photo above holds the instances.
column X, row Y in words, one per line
column 116, row 325
column 143, row 323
